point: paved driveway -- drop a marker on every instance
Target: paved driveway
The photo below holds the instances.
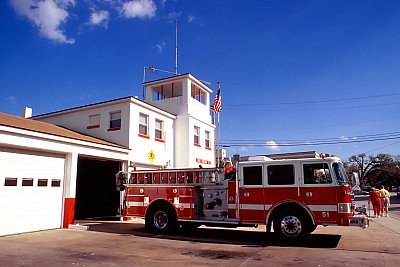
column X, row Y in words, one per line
column 127, row 244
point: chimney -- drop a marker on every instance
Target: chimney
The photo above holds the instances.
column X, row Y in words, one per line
column 27, row 112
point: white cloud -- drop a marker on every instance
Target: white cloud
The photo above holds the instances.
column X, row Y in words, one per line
column 99, row 18
column 47, row 15
column 272, row 145
column 50, row 17
column 160, row 46
column 172, row 16
column 11, row 99
column 191, row 18
column 139, row 9
column 345, row 138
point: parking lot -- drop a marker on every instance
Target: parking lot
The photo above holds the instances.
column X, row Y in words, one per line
column 113, row 243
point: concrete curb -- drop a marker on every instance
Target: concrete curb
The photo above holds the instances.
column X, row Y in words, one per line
column 78, row 227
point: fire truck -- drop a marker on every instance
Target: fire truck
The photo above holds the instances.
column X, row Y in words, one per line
column 290, row 196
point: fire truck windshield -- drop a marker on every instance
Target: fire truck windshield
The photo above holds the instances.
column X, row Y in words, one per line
column 340, row 173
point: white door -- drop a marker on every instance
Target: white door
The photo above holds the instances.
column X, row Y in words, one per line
column 31, row 190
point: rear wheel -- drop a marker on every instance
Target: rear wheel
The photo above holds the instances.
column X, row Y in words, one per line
column 161, row 219
column 292, row 225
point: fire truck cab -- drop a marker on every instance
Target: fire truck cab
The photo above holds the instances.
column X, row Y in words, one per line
column 291, row 197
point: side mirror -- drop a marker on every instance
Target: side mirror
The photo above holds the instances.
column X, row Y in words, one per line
column 121, row 180
column 354, row 179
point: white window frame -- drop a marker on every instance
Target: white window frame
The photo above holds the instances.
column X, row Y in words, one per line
column 159, row 131
column 94, row 121
column 144, row 125
column 207, row 140
column 115, row 116
column 196, row 135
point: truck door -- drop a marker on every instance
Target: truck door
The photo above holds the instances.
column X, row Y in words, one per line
column 318, row 190
column 251, row 193
column 282, row 183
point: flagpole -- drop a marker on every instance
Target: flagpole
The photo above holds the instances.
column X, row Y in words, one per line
column 219, row 124
column 216, row 108
column 216, row 139
column 219, row 139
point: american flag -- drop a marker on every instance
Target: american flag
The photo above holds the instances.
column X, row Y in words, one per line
column 217, row 105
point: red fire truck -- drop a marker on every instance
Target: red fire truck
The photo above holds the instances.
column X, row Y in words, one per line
column 290, row 196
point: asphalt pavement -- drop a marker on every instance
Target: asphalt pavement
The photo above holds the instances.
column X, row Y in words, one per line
column 391, row 222
column 116, row 243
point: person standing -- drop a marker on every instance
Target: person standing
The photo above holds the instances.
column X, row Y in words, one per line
column 385, row 197
column 375, row 199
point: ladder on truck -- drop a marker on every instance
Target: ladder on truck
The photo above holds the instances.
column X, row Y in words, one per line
column 189, row 176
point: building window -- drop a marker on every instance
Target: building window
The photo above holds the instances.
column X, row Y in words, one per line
column 94, row 121
column 115, row 121
column 166, row 91
column 55, row 183
column 42, row 182
column 198, row 94
column 196, row 136
column 207, row 140
column 159, row 130
column 27, row 182
column 10, row 181
column 143, row 125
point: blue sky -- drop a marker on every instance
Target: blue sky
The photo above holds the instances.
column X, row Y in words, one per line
column 291, row 72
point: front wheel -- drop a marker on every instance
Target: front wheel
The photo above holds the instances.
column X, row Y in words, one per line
column 161, row 219
column 291, row 225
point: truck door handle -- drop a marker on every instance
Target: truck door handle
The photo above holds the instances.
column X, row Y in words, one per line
column 308, row 194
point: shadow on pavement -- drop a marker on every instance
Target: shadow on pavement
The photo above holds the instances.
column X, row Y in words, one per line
column 218, row 236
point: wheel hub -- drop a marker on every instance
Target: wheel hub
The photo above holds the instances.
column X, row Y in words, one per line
column 160, row 219
column 291, row 226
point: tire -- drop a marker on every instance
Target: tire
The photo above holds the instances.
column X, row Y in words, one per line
column 161, row 219
column 292, row 225
column 311, row 228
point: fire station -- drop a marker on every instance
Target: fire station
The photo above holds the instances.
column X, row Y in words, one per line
column 61, row 166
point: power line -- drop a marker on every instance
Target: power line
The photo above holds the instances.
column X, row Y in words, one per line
column 358, row 137
column 316, row 101
column 322, row 127
column 382, row 147
column 310, row 109
column 266, row 143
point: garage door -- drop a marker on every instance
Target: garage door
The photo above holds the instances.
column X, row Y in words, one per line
column 31, row 190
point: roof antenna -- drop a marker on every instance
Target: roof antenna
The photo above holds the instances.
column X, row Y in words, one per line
column 176, row 46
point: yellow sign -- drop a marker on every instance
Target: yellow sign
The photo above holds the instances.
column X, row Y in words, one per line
column 151, row 156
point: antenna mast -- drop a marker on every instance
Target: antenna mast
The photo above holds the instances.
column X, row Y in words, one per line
column 176, row 46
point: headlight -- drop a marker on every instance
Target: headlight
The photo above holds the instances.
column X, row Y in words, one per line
column 344, row 208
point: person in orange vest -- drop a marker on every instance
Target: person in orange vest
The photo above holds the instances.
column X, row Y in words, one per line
column 375, row 199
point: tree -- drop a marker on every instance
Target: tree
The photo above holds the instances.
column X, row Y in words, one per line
column 360, row 164
column 376, row 170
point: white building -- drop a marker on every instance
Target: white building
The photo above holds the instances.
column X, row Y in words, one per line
column 171, row 128
column 61, row 166
column 41, row 170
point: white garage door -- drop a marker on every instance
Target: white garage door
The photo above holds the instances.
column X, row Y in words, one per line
column 31, row 189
